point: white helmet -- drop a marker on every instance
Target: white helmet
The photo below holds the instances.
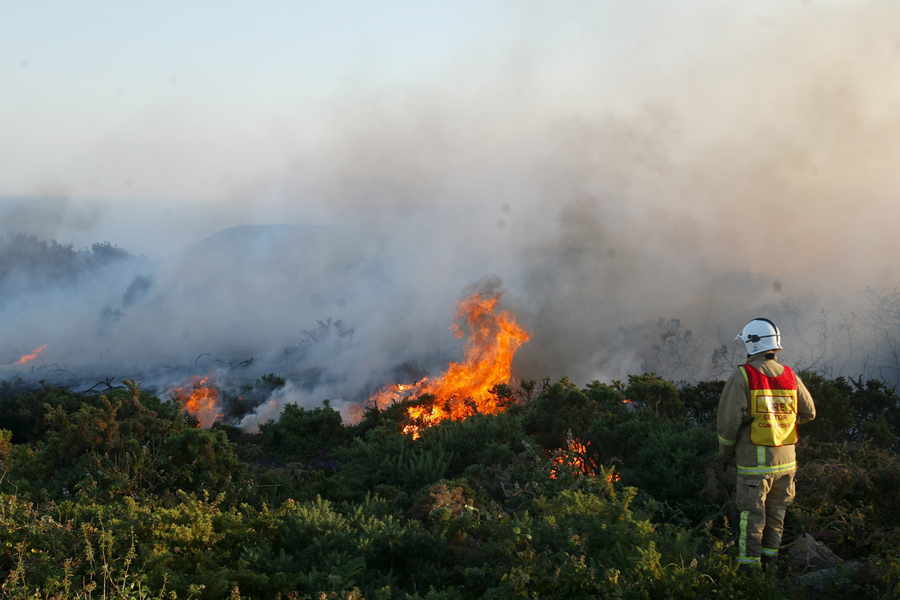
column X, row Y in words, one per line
column 760, row 335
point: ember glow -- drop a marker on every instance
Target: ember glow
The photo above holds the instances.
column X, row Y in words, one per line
column 576, row 457
column 27, row 358
column 200, row 400
column 465, row 388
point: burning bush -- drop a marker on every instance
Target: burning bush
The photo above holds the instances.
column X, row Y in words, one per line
column 575, row 458
column 200, row 399
column 466, row 388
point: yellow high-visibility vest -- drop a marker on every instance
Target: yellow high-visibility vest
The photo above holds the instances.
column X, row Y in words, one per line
column 772, row 403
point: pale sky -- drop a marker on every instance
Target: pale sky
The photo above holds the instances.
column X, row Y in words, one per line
column 74, row 73
column 146, row 111
column 80, row 76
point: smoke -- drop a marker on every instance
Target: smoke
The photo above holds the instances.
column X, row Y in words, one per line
column 642, row 180
column 48, row 215
column 292, row 394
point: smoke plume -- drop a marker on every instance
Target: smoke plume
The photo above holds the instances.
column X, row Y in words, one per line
column 642, row 180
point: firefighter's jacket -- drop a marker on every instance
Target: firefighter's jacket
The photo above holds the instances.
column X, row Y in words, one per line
column 735, row 421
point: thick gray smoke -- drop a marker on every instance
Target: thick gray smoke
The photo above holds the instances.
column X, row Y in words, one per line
column 639, row 200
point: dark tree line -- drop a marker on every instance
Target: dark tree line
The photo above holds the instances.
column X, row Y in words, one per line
column 28, row 263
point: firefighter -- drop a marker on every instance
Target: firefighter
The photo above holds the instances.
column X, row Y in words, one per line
column 759, row 410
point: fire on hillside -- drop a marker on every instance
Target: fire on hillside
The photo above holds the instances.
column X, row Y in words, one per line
column 200, row 399
column 27, row 358
column 465, row 389
column 576, row 458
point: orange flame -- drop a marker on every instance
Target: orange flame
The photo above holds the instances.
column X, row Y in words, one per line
column 200, row 400
column 465, row 389
column 575, row 455
column 27, row 358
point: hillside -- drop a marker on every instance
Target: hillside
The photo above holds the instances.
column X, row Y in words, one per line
column 570, row 492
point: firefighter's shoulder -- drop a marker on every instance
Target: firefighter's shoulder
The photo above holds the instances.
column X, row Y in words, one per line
column 739, row 374
column 736, row 382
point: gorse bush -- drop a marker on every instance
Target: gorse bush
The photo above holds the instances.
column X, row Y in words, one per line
column 303, row 434
column 855, row 411
column 657, row 394
column 573, row 492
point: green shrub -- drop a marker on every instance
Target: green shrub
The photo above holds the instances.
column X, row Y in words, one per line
column 122, row 490
column 5, row 449
column 701, row 401
column 303, row 434
column 657, row 394
column 850, row 410
column 563, row 407
column 847, row 496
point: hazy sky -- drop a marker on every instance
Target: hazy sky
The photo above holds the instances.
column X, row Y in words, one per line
column 79, row 76
column 613, row 162
column 181, row 118
column 94, row 92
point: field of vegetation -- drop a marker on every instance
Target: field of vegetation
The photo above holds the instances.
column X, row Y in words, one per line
column 603, row 491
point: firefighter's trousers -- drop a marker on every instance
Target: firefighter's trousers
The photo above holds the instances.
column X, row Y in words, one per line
column 762, row 502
